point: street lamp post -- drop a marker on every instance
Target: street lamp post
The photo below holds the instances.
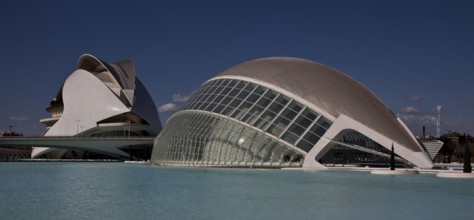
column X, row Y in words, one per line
column 34, row 130
column 77, row 126
column 128, row 121
column 19, row 119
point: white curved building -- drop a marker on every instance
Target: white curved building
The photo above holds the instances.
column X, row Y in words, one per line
column 100, row 100
column 282, row 112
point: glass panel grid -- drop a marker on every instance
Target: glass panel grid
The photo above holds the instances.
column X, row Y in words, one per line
column 263, row 108
column 198, row 139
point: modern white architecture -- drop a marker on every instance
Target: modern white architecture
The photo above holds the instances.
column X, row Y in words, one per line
column 101, row 99
column 281, row 112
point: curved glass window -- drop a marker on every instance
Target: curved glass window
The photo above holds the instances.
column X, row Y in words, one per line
column 264, row 109
column 200, row 139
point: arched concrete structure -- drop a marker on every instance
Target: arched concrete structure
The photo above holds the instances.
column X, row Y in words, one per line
column 304, row 107
column 100, row 99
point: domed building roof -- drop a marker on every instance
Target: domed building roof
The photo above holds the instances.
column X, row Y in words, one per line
column 328, row 90
column 283, row 112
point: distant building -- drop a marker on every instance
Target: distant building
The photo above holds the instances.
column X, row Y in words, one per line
column 433, row 147
column 100, row 99
column 10, row 134
column 454, row 147
column 7, row 154
column 282, row 112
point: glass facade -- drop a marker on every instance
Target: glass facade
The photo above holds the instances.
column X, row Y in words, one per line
column 236, row 122
column 200, row 139
column 358, row 139
column 342, row 154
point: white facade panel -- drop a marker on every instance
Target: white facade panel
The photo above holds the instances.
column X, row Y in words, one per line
column 101, row 99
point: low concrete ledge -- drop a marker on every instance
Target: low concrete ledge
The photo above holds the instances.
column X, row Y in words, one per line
column 455, row 175
column 394, row 172
column 138, row 161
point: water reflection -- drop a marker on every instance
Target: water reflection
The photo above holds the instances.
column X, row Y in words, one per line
column 134, row 191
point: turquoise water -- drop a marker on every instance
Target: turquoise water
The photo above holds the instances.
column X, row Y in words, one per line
column 42, row 190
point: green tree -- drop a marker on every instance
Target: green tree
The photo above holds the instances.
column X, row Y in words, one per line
column 467, row 156
column 448, row 148
column 392, row 159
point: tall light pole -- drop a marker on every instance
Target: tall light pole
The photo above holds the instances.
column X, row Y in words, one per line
column 128, row 121
column 77, row 125
column 438, row 123
column 19, row 119
column 34, row 130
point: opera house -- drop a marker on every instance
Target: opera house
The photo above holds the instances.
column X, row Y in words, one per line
column 282, row 112
column 101, row 99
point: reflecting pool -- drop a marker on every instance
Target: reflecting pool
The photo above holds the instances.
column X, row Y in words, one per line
column 60, row 190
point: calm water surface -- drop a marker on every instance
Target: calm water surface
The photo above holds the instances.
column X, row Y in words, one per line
column 42, row 190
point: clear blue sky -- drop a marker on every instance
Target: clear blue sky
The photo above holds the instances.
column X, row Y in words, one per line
column 414, row 55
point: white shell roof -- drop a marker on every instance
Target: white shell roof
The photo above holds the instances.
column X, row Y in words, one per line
column 329, row 89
